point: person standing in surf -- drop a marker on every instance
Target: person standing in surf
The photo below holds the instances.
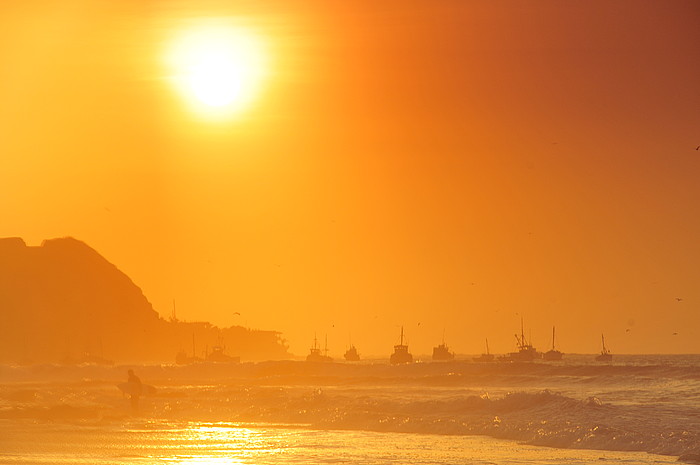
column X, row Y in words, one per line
column 135, row 390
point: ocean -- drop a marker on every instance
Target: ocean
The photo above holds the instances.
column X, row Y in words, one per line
column 638, row 409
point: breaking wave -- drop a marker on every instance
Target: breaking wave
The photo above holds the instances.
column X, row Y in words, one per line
column 652, row 408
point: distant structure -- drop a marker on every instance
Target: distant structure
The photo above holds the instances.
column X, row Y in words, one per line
column 526, row 351
column 217, row 354
column 442, row 352
column 605, row 355
column 315, row 354
column 63, row 302
column 487, row 357
column 183, row 359
column 401, row 354
column 552, row 354
column 351, row 355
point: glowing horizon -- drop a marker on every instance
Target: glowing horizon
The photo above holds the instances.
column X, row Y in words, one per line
column 446, row 166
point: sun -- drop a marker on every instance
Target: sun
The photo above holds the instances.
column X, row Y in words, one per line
column 217, row 68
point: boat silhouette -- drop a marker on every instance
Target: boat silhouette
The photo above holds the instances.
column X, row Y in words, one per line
column 401, row 354
column 487, row 357
column 552, row 354
column 183, row 359
column 442, row 352
column 351, row 355
column 217, row 354
column 315, row 354
column 605, row 355
column 526, row 351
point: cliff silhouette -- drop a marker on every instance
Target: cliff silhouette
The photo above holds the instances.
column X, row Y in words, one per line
column 62, row 302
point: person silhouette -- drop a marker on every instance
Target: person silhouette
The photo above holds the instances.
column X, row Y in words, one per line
column 135, row 390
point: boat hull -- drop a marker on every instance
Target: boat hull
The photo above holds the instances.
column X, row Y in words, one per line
column 396, row 359
column 552, row 355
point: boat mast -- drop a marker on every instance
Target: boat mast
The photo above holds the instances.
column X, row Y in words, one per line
column 487, row 346
column 521, row 340
column 552, row 337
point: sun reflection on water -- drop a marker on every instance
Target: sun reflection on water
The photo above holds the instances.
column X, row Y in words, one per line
column 221, row 443
column 210, row 460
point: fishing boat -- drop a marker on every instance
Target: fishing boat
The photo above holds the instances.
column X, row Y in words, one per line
column 605, row 355
column 526, row 351
column 218, row 355
column 351, row 355
column 401, row 354
column 183, row 359
column 442, row 352
column 552, row 354
column 315, row 354
column 487, row 357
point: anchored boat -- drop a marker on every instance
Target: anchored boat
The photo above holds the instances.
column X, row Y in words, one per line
column 442, row 352
column 552, row 354
column 315, row 354
column 487, row 357
column 605, row 355
column 401, row 354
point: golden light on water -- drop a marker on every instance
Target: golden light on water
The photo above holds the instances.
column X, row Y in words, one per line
column 222, row 443
column 217, row 68
column 208, row 460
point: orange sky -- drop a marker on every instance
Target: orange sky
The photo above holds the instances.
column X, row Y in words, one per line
column 446, row 166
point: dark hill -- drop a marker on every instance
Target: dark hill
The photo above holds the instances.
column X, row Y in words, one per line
column 64, row 301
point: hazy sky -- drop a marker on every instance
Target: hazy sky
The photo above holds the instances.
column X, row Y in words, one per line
column 446, row 166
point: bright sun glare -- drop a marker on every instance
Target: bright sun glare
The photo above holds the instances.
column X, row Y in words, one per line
column 218, row 68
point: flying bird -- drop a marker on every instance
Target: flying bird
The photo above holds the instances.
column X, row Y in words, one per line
column 679, row 299
column 697, row 148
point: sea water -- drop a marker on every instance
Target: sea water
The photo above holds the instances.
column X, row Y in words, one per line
column 638, row 409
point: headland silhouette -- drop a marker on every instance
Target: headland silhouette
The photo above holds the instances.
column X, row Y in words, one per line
column 62, row 302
